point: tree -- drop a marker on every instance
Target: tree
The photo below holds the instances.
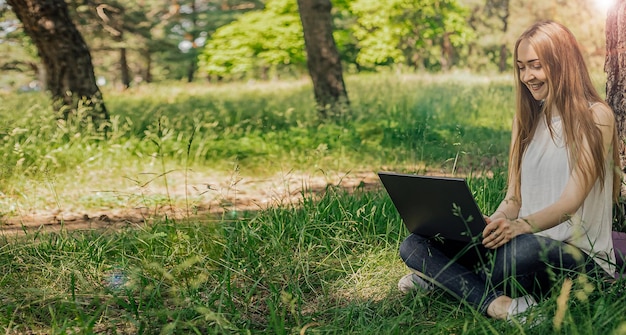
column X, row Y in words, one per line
column 500, row 9
column 259, row 44
column 158, row 39
column 17, row 54
column 115, row 30
column 112, row 18
column 323, row 59
column 67, row 62
column 615, row 68
column 419, row 34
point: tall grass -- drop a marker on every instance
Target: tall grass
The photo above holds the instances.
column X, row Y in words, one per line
column 326, row 265
column 406, row 122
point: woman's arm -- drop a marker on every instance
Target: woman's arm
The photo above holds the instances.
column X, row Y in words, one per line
column 510, row 206
column 576, row 190
column 500, row 230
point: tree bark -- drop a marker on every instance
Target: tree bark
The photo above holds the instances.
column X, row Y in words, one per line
column 125, row 70
column 446, row 52
column 147, row 75
column 69, row 72
column 191, row 69
column 505, row 27
column 615, row 68
column 323, row 59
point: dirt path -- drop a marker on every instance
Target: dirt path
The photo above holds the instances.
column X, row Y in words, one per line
column 220, row 195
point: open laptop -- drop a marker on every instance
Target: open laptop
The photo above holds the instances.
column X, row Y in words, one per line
column 435, row 206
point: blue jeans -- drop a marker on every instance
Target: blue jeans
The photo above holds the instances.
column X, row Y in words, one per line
column 527, row 264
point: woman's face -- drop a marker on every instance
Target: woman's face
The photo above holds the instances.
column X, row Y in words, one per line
column 531, row 71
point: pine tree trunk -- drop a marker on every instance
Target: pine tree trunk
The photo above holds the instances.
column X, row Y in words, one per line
column 323, row 59
column 615, row 68
column 446, row 52
column 504, row 17
column 125, row 70
column 503, row 58
column 191, row 69
column 65, row 56
column 148, row 70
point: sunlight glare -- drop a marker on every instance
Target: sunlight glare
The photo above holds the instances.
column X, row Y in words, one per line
column 604, row 5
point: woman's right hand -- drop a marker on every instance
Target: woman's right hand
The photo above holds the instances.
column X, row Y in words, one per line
column 500, row 231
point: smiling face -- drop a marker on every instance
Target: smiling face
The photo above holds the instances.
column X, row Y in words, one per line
column 531, row 71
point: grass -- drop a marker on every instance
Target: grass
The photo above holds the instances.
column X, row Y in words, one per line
column 405, row 122
column 326, row 265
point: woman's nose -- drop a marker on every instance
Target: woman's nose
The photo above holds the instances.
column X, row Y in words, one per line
column 526, row 76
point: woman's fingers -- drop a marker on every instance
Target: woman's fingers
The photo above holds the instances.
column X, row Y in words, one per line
column 497, row 235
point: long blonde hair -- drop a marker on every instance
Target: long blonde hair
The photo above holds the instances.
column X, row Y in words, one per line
column 570, row 91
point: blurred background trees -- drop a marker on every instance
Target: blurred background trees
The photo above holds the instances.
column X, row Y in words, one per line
column 223, row 40
column 65, row 58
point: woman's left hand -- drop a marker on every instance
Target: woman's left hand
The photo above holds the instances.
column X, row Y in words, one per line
column 500, row 231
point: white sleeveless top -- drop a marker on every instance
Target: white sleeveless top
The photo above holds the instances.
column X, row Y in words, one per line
column 544, row 172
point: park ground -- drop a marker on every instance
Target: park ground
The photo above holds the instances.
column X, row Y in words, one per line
column 214, row 196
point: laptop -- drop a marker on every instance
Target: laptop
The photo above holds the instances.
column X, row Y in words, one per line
column 435, row 206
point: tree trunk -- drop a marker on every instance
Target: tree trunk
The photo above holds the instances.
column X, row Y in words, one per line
column 65, row 56
column 446, row 52
column 503, row 57
column 147, row 76
column 124, row 68
column 615, row 68
column 323, row 59
column 505, row 27
column 191, row 69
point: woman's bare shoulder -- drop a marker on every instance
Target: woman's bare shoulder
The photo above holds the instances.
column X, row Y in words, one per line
column 603, row 114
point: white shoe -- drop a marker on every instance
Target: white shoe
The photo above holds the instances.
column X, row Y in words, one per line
column 411, row 282
column 521, row 304
column 520, row 311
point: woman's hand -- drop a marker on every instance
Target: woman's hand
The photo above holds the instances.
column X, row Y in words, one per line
column 500, row 231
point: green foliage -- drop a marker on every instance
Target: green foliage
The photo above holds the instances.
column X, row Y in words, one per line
column 258, row 44
column 407, row 32
column 255, row 39
column 369, row 34
column 152, row 33
column 18, row 54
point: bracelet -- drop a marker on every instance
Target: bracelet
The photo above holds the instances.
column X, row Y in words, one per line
column 532, row 229
column 503, row 213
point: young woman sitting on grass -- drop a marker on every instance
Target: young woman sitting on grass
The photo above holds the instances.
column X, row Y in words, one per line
column 564, row 175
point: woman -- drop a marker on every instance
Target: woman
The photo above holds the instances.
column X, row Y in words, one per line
column 563, row 177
